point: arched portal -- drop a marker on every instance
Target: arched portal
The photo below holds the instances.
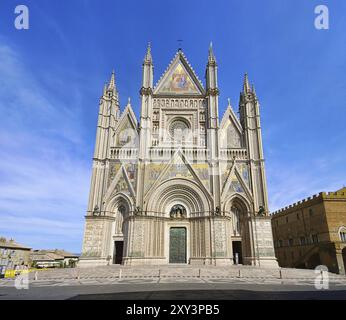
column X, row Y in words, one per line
column 179, row 192
column 238, row 208
column 182, row 203
column 119, row 207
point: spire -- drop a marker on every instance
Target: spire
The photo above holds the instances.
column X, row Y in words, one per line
column 211, row 72
column 111, row 85
column 254, row 90
column 148, row 72
column 148, row 58
column 211, row 56
column 110, row 88
column 246, row 85
column 128, row 101
column 229, row 102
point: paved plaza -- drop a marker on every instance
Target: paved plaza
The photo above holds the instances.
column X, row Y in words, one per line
column 175, row 282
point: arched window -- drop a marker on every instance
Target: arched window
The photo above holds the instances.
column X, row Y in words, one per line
column 342, row 234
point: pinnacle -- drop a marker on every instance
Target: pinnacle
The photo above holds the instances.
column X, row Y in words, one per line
column 211, row 56
column 111, row 85
column 246, row 85
column 148, row 57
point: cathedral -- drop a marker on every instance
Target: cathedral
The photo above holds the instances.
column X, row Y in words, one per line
column 180, row 185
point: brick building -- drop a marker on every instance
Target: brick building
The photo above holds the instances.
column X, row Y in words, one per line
column 312, row 232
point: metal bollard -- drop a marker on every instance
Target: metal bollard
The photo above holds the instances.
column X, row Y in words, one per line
column 280, row 274
column 199, row 273
column 120, row 271
column 159, row 273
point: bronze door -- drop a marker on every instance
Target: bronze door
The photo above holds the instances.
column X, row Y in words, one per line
column 177, row 245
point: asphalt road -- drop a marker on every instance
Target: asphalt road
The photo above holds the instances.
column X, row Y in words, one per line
column 175, row 291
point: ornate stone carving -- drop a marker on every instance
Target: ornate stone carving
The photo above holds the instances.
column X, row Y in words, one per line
column 146, row 91
column 213, row 92
column 261, row 211
column 96, row 211
column 233, row 137
column 137, row 211
column 178, row 211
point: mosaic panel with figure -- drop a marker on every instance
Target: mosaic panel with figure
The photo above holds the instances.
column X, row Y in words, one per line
column 179, row 82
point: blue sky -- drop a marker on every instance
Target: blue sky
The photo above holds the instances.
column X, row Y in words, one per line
column 52, row 75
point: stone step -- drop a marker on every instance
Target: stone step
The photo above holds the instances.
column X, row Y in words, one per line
column 115, row 271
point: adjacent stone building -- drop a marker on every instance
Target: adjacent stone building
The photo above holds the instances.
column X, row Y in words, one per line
column 312, row 232
column 53, row 258
column 13, row 254
column 179, row 185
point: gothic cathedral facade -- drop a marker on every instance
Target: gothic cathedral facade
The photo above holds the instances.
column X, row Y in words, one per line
column 179, row 186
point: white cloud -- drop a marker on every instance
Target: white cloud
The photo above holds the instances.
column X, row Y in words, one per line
column 43, row 179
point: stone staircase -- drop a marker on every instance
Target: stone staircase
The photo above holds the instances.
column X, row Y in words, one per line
column 178, row 271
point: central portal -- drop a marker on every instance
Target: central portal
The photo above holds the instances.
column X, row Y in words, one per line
column 177, row 245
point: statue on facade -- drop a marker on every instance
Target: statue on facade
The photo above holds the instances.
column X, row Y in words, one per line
column 261, row 211
column 96, row 211
column 137, row 211
column 178, row 211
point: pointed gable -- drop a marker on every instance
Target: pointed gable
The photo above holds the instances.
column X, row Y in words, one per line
column 236, row 182
column 231, row 130
column 179, row 79
column 235, row 185
column 121, row 183
column 126, row 130
column 178, row 167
